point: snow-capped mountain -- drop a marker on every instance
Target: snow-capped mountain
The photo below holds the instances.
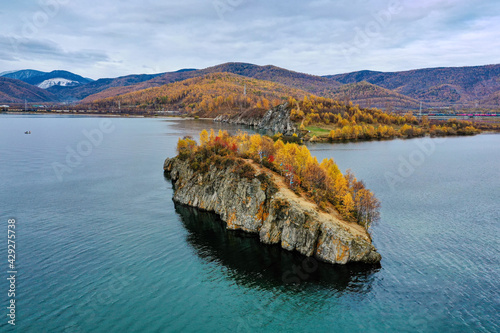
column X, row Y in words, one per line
column 59, row 81
column 53, row 86
column 46, row 80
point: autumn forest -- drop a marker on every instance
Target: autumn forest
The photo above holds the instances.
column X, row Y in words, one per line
column 322, row 182
column 318, row 118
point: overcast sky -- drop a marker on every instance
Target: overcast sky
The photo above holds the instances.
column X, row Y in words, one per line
column 97, row 38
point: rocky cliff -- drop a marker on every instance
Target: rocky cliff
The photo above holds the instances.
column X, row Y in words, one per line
column 265, row 206
column 276, row 120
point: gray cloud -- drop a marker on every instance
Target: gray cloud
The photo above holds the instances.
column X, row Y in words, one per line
column 111, row 38
column 29, row 49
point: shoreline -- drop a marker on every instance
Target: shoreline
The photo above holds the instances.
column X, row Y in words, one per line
column 97, row 115
column 319, row 139
column 317, row 233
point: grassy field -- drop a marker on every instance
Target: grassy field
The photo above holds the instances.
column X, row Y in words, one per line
column 319, row 131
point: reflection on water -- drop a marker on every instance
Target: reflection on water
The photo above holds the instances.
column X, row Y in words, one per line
column 252, row 263
column 180, row 127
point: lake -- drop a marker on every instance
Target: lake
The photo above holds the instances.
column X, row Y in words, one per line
column 101, row 246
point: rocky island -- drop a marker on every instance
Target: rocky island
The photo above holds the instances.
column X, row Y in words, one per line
column 262, row 187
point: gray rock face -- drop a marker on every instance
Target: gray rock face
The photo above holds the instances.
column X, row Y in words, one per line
column 239, row 119
column 276, row 120
column 277, row 217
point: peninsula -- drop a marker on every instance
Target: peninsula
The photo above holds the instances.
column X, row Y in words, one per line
column 278, row 191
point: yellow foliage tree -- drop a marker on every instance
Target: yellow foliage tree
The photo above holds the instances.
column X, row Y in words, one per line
column 203, row 137
column 347, row 205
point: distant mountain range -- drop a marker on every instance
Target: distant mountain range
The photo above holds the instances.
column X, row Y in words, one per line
column 46, row 80
column 310, row 83
column 435, row 87
column 22, row 75
column 77, row 93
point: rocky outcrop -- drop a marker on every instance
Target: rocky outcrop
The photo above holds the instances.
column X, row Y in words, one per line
column 276, row 120
column 276, row 214
column 239, row 119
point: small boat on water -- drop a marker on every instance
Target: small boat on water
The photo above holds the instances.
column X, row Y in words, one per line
column 27, row 132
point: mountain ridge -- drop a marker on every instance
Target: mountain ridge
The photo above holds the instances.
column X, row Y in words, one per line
column 23, row 74
column 435, row 87
column 468, row 84
column 457, row 87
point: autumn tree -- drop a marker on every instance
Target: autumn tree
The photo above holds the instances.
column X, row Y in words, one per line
column 203, row 137
column 367, row 208
column 186, row 146
column 315, row 179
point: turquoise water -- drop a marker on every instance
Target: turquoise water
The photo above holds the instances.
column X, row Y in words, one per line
column 101, row 247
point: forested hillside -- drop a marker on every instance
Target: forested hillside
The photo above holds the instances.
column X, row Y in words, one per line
column 310, row 83
column 369, row 95
column 327, row 119
column 205, row 96
column 17, row 91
